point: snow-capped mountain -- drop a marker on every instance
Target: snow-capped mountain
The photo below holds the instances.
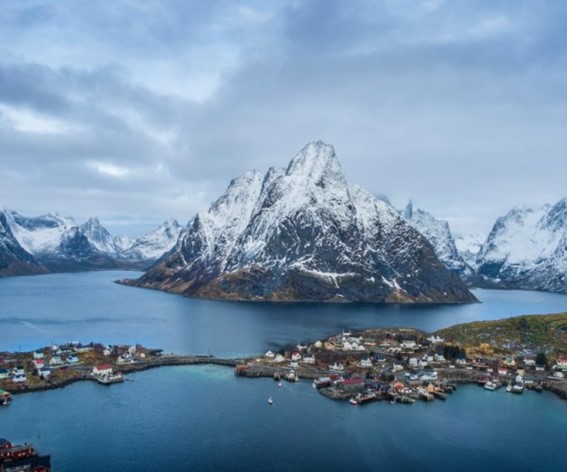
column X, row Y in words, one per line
column 439, row 235
column 41, row 234
column 469, row 246
column 154, row 244
column 99, row 237
column 527, row 249
column 60, row 244
column 14, row 259
column 302, row 233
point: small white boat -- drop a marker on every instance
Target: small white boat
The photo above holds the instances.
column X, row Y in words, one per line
column 490, row 386
column 270, row 401
column 279, row 384
column 353, row 401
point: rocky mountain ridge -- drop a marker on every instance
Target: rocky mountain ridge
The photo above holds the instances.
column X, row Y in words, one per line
column 51, row 243
column 303, row 234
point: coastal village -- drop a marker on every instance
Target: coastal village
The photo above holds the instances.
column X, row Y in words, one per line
column 403, row 365
column 399, row 365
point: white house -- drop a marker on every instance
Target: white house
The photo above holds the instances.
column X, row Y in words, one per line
column 397, row 367
column 294, row 364
column 38, row 363
column 279, row 358
column 413, row 362
column 44, row 373
column 18, row 378
column 55, row 361
column 318, row 344
column 435, row 339
column 270, row 354
column 72, row 359
column 365, row 363
column 309, row 359
column 4, row 373
column 18, row 370
column 37, row 355
column 103, row 369
column 439, row 358
column 409, row 344
column 125, row 358
column 561, row 362
column 295, row 356
column 429, row 376
column 337, row 367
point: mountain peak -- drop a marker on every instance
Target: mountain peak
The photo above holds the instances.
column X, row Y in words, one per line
column 300, row 234
column 315, row 160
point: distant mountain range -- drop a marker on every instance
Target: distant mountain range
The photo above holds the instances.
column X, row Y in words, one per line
column 303, row 234
column 51, row 243
column 526, row 249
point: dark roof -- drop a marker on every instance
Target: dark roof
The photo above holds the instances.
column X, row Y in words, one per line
column 4, row 441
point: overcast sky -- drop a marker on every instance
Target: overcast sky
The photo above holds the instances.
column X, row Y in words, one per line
column 140, row 110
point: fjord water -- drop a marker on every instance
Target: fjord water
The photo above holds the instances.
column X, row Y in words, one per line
column 39, row 310
column 205, row 418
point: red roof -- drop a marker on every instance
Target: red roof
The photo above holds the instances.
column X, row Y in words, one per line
column 103, row 367
column 353, row 381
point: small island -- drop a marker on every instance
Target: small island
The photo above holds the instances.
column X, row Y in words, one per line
column 400, row 365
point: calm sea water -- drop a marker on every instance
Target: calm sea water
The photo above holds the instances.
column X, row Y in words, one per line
column 36, row 311
column 205, row 418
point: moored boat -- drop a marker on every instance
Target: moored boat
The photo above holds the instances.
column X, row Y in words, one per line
column 109, row 379
column 322, row 382
column 491, row 386
column 5, row 398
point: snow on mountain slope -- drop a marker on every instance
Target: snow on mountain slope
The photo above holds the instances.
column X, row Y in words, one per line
column 14, row 260
column 439, row 235
column 302, row 234
column 99, row 236
column 61, row 245
column 40, row 234
column 154, row 244
column 527, row 248
column 469, row 246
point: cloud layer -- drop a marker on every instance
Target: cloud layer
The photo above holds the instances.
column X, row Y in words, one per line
column 140, row 110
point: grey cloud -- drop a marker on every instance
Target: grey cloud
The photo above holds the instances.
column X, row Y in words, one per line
column 438, row 104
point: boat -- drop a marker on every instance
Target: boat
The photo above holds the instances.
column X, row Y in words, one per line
column 353, row 401
column 406, row 400
column 5, row 398
column 491, row 386
column 440, row 395
column 509, row 388
column 279, row 384
column 518, row 389
column 109, row 379
column 277, row 376
column 424, row 394
column 270, row 401
column 368, row 397
column 322, row 382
